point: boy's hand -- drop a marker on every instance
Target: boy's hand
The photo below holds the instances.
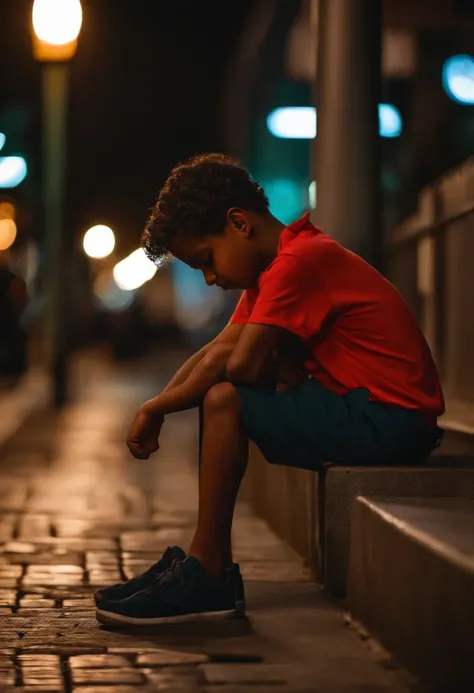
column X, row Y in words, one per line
column 289, row 373
column 142, row 440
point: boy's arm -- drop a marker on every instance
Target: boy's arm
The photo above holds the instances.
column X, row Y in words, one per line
column 253, row 352
column 188, row 394
column 229, row 335
column 142, row 440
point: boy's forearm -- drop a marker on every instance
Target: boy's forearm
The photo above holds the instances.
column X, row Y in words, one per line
column 187, row 368
column 229, row 336
column 209, row 371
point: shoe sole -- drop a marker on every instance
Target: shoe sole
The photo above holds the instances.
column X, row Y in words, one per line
column 240, row 608
column 109, row 618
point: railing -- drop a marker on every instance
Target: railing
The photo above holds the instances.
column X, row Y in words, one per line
column 431, row 262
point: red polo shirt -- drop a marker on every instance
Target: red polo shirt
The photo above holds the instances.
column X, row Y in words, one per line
column 359, row 330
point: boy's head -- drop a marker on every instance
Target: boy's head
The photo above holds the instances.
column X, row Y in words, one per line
column 205, row 215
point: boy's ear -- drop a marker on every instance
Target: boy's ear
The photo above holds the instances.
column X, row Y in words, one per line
column 239, row 221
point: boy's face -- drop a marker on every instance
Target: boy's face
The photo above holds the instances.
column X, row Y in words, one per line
column 229, row 260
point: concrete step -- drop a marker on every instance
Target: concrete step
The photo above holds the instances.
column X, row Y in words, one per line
column 411, row 584
column 445, row 476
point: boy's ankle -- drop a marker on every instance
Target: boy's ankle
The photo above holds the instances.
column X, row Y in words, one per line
column 215, row 569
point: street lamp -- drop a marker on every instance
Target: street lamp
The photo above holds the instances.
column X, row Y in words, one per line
column 56, row 25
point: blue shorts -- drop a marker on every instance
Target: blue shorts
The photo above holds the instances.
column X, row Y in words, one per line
column 310, row 425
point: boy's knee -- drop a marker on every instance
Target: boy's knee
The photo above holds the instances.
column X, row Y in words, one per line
column 223, row 396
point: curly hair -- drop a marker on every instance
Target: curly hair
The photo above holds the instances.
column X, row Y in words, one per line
column 195, row 199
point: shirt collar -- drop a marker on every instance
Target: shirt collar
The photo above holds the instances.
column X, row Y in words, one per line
column 292, row 230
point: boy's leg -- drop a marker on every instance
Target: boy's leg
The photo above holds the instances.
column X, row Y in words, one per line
column 222, row 465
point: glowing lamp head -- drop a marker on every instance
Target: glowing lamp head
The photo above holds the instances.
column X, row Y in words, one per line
column 7, row 233
column 99, row 241
column 57, row 22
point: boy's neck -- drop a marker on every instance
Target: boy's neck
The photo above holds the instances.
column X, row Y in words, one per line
column 268, row 236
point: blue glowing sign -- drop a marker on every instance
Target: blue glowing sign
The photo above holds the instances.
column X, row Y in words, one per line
column 300, row 122
column 458, row 79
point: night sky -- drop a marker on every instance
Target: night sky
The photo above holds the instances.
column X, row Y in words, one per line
column 145, row 90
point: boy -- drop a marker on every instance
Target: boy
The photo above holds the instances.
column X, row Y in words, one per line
column 367, row 392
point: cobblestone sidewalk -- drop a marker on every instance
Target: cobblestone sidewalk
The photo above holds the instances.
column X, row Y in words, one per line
column 76, row 512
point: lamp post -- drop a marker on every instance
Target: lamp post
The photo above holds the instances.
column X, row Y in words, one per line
column 56, row 25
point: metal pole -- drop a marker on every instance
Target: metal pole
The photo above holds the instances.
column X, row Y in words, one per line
column 55, row 80
column 346, row 151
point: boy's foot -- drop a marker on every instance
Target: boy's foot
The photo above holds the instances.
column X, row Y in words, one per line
column 141, row 582
column 183, row 593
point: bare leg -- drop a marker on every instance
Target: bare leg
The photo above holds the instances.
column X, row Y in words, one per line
column 223, row 463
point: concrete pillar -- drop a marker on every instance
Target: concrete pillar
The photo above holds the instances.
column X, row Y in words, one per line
column 346, row 150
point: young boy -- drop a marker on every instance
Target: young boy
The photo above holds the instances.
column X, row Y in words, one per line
column 361, row 388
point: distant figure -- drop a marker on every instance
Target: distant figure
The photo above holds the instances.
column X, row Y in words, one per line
column 13, row 301
column 322, row 361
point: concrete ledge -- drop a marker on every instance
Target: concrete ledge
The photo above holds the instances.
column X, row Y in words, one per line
column 411, row 583
column 342, row 485
column 287, row 498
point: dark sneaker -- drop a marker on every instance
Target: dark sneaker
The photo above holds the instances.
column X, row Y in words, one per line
column 235, row 578
column 183, row 593
column 126, row 589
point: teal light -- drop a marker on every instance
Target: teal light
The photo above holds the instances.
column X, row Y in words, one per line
column 287, row 198
column 458, row 79
column 293, row 122
column 2, row 140
column 300, row 122
column 390, row 120
column 13, row 170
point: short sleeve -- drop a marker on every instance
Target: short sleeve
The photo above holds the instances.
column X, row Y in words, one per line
column 244, row 307
column 293, row 297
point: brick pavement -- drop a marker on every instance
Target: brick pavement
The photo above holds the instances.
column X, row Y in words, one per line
column 76, row 512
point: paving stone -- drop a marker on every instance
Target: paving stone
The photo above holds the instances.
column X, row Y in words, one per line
column 65, row 650
column 115, row 689
column 102, row 676
column 78, row 603
column 7, row 597
column 19, row 547
column 175, row 678
column 8, row 583
column 34, row 526
column 98, row 578
column 41, row 688
column 101, row 558
column 10, row 571
column 98, row 661
column 161, row 658
column 47, row 683
column 7, row 678
column 37, row 603
column 31, row 660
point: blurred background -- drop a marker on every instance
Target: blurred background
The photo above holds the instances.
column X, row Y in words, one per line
column 92, row 121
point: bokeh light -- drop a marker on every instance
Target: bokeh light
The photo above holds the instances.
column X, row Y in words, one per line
column 300, row 122
column 390, row 120
column 99, row 241
column 111, row 297
column 458, row 79
column 57, row 21
column 294, row 122
column 2, row 140
column 134, row 270
column 13, row 170
column 7, row 233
